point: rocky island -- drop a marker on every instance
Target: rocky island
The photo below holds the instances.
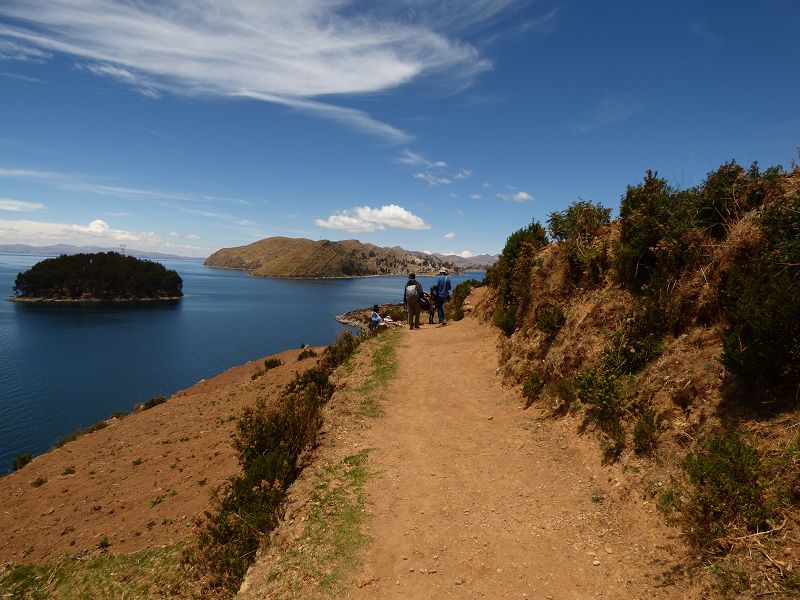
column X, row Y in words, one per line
column 97, row 277
column 302, row 258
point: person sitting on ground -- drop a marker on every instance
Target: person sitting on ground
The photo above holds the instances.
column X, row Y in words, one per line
column 375, row 320
column 411, row 296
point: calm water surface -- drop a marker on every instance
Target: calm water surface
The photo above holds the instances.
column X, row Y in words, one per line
column 67, row 366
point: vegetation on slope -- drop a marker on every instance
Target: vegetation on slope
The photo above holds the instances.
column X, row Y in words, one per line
column 298, row 257
column 675, row 332
column 99, row 276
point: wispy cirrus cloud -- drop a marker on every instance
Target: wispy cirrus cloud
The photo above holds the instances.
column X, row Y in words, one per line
column 289, row 53
column 414, row 159
column 364, row 219
column 699, row 28
column 612, row 108
column 432, row 179
column 10, row 205
column 19, row 77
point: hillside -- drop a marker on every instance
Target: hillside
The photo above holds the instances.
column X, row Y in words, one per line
column 303, row 258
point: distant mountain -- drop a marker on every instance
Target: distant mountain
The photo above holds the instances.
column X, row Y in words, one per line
column 302, row 258
column 60, row 249
column 480, row 261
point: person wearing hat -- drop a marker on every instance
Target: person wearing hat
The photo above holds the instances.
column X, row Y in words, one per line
column 375, row 319
column 442, row 294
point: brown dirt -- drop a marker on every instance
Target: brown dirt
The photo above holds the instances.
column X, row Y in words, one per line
column 471, row 496
column 141, row 481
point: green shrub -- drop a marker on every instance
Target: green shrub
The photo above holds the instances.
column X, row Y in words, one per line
column 726, row 489
column 761, row 302
column 154, row 401
column 600, row 389
column 460, row 294
column 645, row 431
column 21, row 460
column 271, row 363
column 340, row 350
column 307, row 353
column 730, row 191
column 532, row 387
column 79, row 432
column 511, row 273
column 565, row 389
column 38, row 482
column 637, row 341
column 577, row 227
column 505, row 319
column 550, row 319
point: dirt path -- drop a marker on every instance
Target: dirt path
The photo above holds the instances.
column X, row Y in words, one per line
column 472, row 497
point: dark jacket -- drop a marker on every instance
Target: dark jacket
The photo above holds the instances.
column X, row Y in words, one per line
column 412, row 282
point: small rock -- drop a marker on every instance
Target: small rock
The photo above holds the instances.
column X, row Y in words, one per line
column 490, row 417
column 596, row 563
column 459, row 581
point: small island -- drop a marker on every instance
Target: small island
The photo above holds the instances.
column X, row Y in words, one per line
column 97, row 277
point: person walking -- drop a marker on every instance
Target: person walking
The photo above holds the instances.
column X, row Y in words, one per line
column 442, row 294
column 411, row 296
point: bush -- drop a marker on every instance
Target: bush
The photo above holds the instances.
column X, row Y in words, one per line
column 637, row 341
column 565, row 389
column 271, row 363
column 154, row 401
column 340, row 350
column 532, row 387
column 306, row 353
column 577, row 227
column 510, row 274
column 726, row 489
column 645, row 431
column 460, row 294
column 761, row 302
column 551, row 319
column 83, row 431
column 21, row 460
column 600, row 389
column 505, row 319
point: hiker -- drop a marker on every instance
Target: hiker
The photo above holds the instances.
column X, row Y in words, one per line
column 411, row 297
column 442, row 294
column 432, row 304
column 375, row 320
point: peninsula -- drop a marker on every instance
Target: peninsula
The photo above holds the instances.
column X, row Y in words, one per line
column 302, row 259
column 96, row 277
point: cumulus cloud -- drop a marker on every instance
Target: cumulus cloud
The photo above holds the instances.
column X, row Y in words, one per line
column 18, row 205
column 519, row 196
column 449, row 235
column 475, row 196
column 462, row 174
column 95, row 233
column 364, row 219
column 282, row 52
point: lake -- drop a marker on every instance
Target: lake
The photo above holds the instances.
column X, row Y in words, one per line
column 65, row 366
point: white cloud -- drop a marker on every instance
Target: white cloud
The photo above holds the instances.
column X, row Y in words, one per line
column 18, row 205
column 458, row 213
column 408, row 157
column 475, row 196
column 465, row 254
column 519, row 196
column 18, row 77
column 281, row 52
column 366, row 219
column 96, row 233
column 431, row 179
column 486, row 185
column 453, row 195
column 449, row 235
column 462, row 174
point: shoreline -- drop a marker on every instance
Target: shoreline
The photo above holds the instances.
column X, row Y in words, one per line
column 40, row 300
column 315, row 277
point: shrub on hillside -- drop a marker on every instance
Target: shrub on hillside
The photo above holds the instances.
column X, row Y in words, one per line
column 505, row 319
column 645, row 431
column 761, row 302
column 153, row 402
column 730, row 191
column 577, row 227
column 510, row 274
column 532, row 387
column 271, row 363
column 601, row 390
column 726, row 489
column 460, row 294
column 306, row 353
column 637, row 341
column 550, row 319
column 21, row 460
column 340, row 350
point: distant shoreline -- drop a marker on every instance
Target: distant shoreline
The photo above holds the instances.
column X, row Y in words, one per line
column 38, row 300
column 430, row 274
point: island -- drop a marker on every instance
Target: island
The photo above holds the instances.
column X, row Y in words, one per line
column 306, row 259
column 97, row 277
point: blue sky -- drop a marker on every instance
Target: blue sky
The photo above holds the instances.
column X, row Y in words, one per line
column 185, row 126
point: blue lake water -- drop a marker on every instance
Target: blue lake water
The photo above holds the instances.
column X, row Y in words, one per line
column 67, row 366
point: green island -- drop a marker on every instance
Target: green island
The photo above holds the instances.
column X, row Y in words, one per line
column 97, row 277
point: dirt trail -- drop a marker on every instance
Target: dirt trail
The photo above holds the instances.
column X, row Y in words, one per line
column 472, row 497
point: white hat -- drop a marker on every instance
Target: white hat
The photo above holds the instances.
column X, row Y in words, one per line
column 443, row 270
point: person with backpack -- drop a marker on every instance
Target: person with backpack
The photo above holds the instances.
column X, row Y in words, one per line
column 411, row 297
column 442, row 294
